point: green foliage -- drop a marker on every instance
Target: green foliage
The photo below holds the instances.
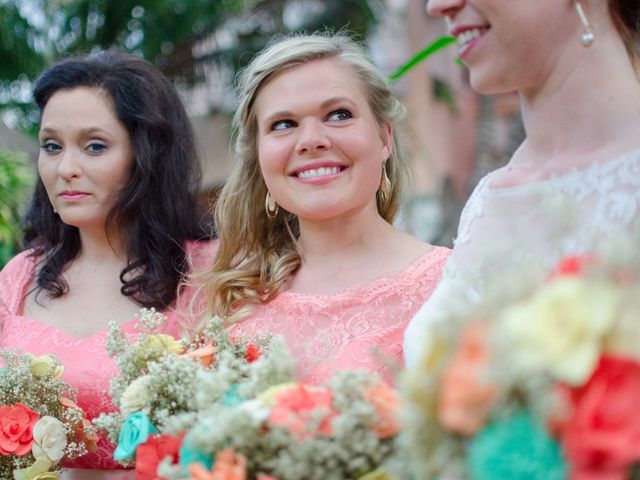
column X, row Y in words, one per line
column 15, row 180
column 422, row 55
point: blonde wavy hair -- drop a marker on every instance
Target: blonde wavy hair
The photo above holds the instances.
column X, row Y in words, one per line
column 257, row 256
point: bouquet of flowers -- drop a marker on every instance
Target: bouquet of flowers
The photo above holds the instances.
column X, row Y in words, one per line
column 164, row 383
column 540, row 382
column 344, row 430
column 40, row 423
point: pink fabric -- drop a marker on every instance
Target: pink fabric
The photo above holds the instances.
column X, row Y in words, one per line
column 87, row 366
column 358, row 328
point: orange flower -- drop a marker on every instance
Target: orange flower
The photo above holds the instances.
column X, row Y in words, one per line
column 386, row 403
column 204, row 354
column 465, row 400
column 82, row 430
column 229, row 466
column 295, row 407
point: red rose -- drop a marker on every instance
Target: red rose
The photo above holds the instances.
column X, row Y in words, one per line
column 252, row 353
column 16, row 429
column 572, row 265
column 603, row 434
column 155, row 449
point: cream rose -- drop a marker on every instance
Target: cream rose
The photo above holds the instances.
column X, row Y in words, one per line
column 562, row 327
column 49, row 439
column 135, row 398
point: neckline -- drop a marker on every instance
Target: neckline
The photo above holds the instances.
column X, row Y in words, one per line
column 27, row 278
column 127, row 326
column 623, row 157
column 433, row 254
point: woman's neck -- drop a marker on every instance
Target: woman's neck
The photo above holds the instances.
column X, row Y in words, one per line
column 588, row 104
column 97, row 246
column 341, row 238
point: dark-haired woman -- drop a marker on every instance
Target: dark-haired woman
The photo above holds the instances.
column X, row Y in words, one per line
column 575, row 181
column 113, row 224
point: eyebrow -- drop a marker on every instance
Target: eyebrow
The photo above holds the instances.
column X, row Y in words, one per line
column 84, row 131
column 324, row 104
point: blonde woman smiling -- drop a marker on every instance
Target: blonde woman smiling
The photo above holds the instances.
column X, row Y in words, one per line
column 307, row 247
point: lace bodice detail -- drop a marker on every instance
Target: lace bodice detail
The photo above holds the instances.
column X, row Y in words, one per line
column 358, row 328
column 539, row 222
column 87, row 367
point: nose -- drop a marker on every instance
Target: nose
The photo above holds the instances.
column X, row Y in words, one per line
column 69, row 165
column 444, row 8
column 312, row 137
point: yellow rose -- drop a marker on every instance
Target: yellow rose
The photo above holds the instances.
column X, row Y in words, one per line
column 158, row 344
column 623, row 340
column 268, row 396
column 378, row 474
column 562, row 327
column 38, row 471
column 45, row 365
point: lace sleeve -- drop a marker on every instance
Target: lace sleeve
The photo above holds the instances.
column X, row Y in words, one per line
column 472, row 210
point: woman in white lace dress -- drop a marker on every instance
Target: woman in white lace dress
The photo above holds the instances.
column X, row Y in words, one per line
column 576, row 178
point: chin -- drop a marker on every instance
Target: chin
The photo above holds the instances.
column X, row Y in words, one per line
column 486, row 84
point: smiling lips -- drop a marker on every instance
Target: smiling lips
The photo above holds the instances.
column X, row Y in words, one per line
column 318, row 174
column 467, row 37
column 73, row 195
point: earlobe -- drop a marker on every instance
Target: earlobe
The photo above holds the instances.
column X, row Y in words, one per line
column 385, row 152
column 387, row 142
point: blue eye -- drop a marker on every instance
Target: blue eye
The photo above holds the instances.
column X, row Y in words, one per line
column 50, row 147
column 96, row 148
column 339, row 115
column 282, row 125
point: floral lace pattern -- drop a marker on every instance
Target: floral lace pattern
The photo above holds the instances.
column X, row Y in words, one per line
column 502, row 229
column 359, row 328
column 88, row 368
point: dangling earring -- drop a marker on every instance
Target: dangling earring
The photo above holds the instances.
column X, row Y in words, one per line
column 588, row 36
column 270, row 206
column 385, row 184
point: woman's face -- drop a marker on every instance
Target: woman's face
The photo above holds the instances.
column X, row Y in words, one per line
column 85, row 156
column 319, row 146
column 509, row 45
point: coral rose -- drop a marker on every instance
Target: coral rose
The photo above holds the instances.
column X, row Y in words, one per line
column 465, row 399
column 299, row 407
column 228, row 466
column 386, row 404
column 16, row 429
column 603, row 435
column 155, row 449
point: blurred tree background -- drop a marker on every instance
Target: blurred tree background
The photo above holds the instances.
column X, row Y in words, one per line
column 181, row 37
column 186, row 39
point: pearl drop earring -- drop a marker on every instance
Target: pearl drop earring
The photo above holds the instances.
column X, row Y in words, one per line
column 588, row 36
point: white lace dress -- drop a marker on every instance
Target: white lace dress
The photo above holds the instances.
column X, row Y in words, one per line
column 502, row 228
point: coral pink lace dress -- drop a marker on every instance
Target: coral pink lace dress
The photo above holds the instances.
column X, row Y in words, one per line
column 87, row 367
column 358, row 328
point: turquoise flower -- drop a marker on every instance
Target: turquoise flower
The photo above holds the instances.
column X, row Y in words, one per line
column 232, row 398
column 190, row 454
column 515, row 448
column 135, row 431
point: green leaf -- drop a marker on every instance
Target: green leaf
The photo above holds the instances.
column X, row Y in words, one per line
column 426, row 52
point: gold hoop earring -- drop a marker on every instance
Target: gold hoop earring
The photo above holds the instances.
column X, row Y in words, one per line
column 385, row 183
column 588, row 36
column 270, row 206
